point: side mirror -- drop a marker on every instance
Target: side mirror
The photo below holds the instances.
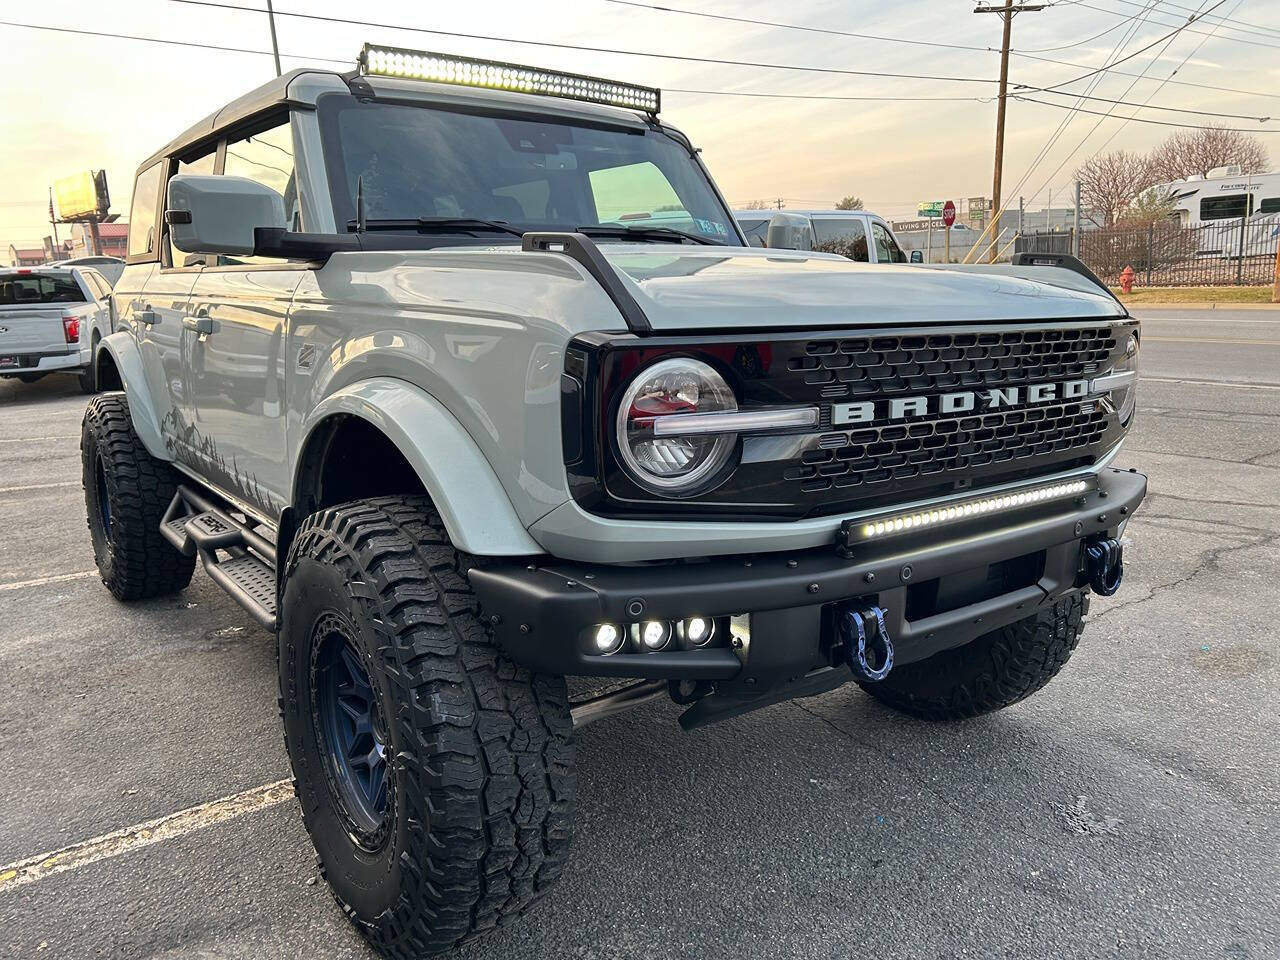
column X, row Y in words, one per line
column 789, row 231
column 218, row 215
column 917, row 256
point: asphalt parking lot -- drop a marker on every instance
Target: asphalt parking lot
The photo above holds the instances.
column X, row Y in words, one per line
column 1131, row 809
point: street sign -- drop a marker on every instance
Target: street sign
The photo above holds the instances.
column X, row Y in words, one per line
column 948, row 213
column 932, row 209
column 978, row 207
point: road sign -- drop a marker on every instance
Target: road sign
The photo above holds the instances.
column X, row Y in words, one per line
column 948, row 213
column 931, row 209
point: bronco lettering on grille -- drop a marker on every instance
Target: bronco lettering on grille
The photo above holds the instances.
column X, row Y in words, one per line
column 899, row 408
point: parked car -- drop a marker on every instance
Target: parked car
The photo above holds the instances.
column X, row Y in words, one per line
column 109, row 267
column 396, row 368
column 857, row 234
column 51, row 321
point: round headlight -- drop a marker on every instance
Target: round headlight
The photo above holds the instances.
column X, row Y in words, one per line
column 666, row 463
column 1126, row 398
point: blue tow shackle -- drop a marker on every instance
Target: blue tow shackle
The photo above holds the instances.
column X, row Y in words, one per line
column 854, row 624
column 1104, row 562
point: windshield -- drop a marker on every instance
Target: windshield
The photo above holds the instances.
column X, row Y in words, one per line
column 20, row 288
column 534, row 174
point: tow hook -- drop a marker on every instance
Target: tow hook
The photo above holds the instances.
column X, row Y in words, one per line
column 1104, row 563
column 867, row 641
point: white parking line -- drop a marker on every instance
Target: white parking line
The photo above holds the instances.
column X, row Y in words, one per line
column 1237, row 340
column 40, row 486
column 1213, row 383
column 41, row 581
column 122, row 841
column 69, row 436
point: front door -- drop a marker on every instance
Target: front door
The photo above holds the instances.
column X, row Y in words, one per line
column 237, row 381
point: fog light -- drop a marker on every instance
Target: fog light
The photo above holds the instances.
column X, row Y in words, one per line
column 608, row 638
column 697, row 631
column 653, row 634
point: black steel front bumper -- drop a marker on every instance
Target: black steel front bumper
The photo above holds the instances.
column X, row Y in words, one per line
column 544, row 614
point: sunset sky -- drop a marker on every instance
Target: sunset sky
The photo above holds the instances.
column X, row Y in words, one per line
column 77, row 101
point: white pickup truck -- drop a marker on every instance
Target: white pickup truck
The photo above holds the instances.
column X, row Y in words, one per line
column 51, row 321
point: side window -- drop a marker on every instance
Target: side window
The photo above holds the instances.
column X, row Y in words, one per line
column 843, row 235
column 887, row 249
column 142, row 212
column 1269, row 205
column 202, row 165
column 94, row 285
column 266, row 158
column 1231, row 207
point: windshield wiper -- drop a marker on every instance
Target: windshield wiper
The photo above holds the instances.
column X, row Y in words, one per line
column 440, row 225
column 670, row 234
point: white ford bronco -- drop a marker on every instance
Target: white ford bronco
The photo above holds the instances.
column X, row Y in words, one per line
column 460, row 378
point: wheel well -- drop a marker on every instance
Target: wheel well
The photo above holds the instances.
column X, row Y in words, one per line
column 348, row 458
column 108, row 374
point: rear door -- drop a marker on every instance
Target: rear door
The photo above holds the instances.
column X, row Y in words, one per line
column 151, row 303
column 33, row 307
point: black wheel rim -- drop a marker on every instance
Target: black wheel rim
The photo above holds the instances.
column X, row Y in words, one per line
column 104, row 503
column 352, row 735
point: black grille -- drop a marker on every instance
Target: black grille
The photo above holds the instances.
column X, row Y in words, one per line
column 874, row 366
column 917, row 453
column 907, row 452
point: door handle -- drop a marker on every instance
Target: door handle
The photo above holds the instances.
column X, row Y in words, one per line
column 146, row 317
column 201, row 325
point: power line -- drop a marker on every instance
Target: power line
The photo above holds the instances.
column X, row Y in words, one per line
column 1079, row 43
column 1152, row 106
column 1158, row 88
column 391, row 26
column 797, row 26
column 817, row 96
column 1102, row 118
column 1270, row 33
column 616, row 51
column 1161, row 123
column 1130, row 56
column 173, row 43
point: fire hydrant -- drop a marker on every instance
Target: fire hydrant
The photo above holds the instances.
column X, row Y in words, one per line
column 1126, row 280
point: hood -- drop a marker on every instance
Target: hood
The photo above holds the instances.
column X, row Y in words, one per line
column 705, row 288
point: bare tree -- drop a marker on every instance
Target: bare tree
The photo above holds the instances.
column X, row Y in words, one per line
column 757, row 205
column 1195, row 152
column 1110, row 181
column 850, row 203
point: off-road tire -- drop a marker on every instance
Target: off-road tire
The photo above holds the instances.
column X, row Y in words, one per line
column 133, row 558
column 989, row 673
column 480, row 767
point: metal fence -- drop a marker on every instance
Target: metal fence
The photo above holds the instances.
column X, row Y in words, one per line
column 1226, row 253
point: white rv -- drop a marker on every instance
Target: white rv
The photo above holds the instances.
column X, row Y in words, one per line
column 1226, row 194
column 1221, row 201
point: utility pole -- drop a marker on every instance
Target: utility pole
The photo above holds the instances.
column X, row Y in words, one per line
column 275, row 48
column 779, row 203
column 1006, row 12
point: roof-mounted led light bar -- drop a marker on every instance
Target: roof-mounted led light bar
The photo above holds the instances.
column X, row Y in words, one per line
column 965, row 509
column 495, row 75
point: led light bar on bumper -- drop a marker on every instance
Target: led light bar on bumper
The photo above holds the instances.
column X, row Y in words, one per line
column 496, row 75
column 966, row 509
